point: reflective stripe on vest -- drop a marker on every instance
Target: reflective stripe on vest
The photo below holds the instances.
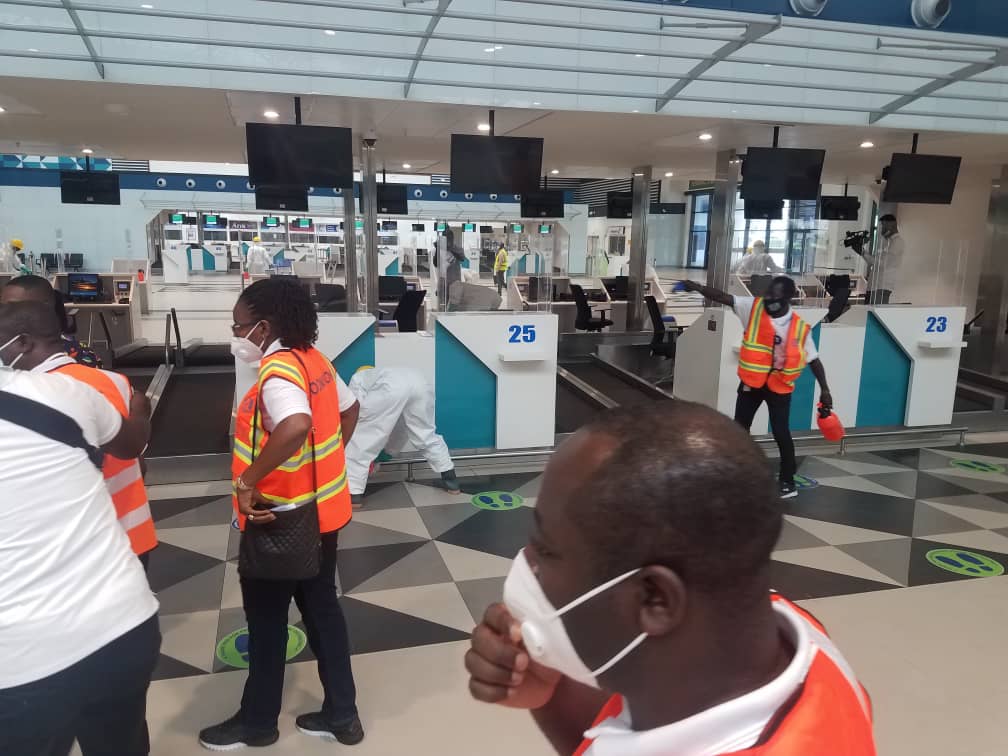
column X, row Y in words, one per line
column 293, row 482
column 756, row 356
column 123, row 477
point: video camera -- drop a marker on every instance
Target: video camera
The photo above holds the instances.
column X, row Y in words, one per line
column 856, row 240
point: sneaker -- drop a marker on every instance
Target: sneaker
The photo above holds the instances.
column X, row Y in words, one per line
column 318, row 725
column 788, row 490
column 233, row 734
column 450, row 483
column 357, row 501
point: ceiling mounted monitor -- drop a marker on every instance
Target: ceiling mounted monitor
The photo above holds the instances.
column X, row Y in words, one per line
column 279, row 154
column 764, row 209
column 289, row 198
column 619, row 205
column 838, row 208
column 542, row 205
column 771, row 173
column 921, row 179
column 89, row 188
column 495, row 164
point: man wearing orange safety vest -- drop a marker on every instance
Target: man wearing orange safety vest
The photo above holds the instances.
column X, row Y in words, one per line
column 645, row 624
column 776, row 347
column 40, row 349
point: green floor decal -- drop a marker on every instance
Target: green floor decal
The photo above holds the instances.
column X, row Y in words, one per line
column 233, row 649
column 975, row 465
column 497, row 500
column 965, row 563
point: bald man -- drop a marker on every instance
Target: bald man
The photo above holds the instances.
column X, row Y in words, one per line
column 639, row 620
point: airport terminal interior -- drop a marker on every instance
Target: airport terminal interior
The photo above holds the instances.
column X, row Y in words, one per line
column 526, row 203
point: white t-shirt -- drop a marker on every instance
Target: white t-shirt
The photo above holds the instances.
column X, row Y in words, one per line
column 71, row 583
column 743, row 308
column 886, row 265
column 282, row 399
column 757, row 263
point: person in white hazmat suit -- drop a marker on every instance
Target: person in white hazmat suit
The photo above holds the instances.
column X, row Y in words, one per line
column 258, row 258
column 396, row 408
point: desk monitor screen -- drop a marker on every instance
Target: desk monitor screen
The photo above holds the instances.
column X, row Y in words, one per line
column 122, row 287
column 391, row 288
column 84, row 286
column 419, row 228
column 617, row 287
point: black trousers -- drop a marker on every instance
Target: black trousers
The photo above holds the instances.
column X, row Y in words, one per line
column 101, row 701
column 499, row 280
column 779, row 406
column 266, row 604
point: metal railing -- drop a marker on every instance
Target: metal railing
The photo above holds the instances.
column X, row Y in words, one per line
column 943, row 429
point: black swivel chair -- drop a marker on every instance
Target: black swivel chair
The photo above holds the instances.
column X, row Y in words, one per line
column 331, row 297
column 584, row 320
column 839, row 288
column 74, row 261
column 405, row 315
column 660, row 346
column 50, row 261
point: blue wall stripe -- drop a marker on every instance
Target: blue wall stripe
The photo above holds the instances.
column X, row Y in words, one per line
column 466, row 394
column 885, row 378
column 804, row 394
column 360, row 352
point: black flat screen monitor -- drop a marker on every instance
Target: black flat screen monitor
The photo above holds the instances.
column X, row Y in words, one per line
column 619, row 205
column 922, row 179
column 839, row 208
column 764, row 209
column 542, row 205
column 487, row 164
column 391, row 288
column 84, row 286
column 89, row 188
column 306, row 155
column 618, row 288
column 389, row 226
column 419, row 227
column 771, row 173
column 391, row 199
column 290, row 198
column 486, row 229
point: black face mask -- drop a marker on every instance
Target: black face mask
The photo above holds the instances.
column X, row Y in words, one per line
column 776, row 307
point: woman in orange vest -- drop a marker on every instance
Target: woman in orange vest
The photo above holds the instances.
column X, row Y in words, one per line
column 776, row 347
column 645, row 624
column 290, row 431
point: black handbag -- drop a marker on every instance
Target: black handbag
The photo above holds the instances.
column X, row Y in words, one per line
column 289, row 547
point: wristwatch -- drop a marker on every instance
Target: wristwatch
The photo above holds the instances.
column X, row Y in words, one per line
column 241, row 485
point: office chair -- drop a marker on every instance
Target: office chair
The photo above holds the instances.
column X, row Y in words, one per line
column 660, row 347
column 839, row 288
column 331, row 297
column 584, row 320
column 877, row 296
column 74, row 261
column 405, row 315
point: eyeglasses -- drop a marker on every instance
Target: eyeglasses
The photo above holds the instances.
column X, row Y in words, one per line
column 235, row 327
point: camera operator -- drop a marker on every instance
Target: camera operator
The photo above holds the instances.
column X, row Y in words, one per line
column 885, row 264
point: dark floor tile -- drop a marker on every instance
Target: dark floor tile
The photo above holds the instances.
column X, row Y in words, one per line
column 358, row 565
column 168, row 668
column 375, row 628
column 510, row 482
column 502, row 533
column 170, row 565
column 200, row 593
column 922, row 572
column 796, row 582
column 162, row 509
column 932, row 487
column 889, row 514
column 988, row 450
column 906, row 457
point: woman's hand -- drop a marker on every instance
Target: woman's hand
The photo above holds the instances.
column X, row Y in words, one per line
column 255, row 506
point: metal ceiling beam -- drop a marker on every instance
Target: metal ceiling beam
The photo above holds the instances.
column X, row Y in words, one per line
column 431, row 26
column 754, row 32
column 495, row 86
column 957, row 76
column 84, row 37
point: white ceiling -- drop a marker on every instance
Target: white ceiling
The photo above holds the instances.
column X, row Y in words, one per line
column 585, row 55
column 50, row 117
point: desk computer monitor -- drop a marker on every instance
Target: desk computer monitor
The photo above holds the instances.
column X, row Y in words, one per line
column 617, row 287
column 84, row 287
column 391, row 288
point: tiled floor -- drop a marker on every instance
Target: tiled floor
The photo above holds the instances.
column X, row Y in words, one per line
column 418, row 566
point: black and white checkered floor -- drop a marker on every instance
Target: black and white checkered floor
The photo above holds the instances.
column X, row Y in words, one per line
column 418, row 566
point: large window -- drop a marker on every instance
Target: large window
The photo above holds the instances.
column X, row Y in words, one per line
column 791, row 241
column 699, row 230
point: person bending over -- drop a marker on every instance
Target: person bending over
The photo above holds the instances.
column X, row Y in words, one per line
column 396, row 408
column 639, row 621
column 38, row 289
column 776, row 347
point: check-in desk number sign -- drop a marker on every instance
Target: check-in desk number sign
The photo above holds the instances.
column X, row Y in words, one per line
column 521, row 334
column 935, row 324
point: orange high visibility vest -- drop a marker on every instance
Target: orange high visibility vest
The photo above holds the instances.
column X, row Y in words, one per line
column 831, row 713
column 123, row 477
column 756, row 356
column 293, row 481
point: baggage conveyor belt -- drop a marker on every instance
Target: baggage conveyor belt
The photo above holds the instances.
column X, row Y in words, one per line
column 194, row 413
column 607, row 385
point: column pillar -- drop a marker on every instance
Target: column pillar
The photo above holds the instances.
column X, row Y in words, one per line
column 989, row 354
column 641, row 188
column 369, row 206
column 350, row 250
column 722, row 219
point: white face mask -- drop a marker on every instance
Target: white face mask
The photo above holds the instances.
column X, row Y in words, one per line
column 13, row 362
column 246, row 350
column 543, row 631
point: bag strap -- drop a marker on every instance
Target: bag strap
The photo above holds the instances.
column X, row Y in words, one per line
column 255, row 421
column 46, row 421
